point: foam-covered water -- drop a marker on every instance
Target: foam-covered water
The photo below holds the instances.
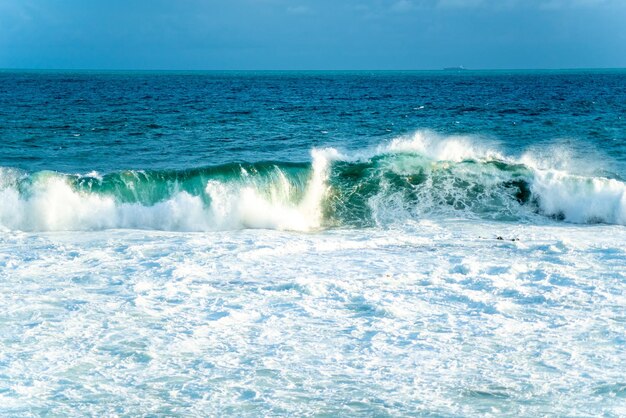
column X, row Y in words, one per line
column 233, row 245
column 436, row 318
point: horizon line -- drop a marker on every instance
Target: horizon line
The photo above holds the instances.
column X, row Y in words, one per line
column 459, row 69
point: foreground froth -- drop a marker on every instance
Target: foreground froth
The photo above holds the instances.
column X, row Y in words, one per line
column 435, row 319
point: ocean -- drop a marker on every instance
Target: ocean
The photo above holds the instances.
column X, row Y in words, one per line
column 428, row 243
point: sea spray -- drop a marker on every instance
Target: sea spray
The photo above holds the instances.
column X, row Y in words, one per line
column 580, row 199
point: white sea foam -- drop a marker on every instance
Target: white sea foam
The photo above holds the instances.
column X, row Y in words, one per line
column 235, row 206
column 454, row 148
column 427, row 318
column 580, row 199
column 53, row 205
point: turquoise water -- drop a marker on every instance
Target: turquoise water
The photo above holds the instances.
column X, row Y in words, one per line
column 313, row 243
column 84, row 121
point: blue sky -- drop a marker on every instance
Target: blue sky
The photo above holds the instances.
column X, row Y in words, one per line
column 312, row 34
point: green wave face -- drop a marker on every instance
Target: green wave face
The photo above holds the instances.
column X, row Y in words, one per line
column 358, row 193
column 151, row 187
column 409, row 185
column 384, row 189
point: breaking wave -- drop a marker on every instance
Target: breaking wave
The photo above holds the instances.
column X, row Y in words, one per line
column 418, row 176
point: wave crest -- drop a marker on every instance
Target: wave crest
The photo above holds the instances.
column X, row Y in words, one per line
column 418, row 176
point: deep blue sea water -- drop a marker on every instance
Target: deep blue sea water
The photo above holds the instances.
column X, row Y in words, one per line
column 441, row 243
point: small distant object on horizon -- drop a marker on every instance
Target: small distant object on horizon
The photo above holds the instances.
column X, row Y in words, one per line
column 458, row 68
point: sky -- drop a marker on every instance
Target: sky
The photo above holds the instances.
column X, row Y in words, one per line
column 312, row 34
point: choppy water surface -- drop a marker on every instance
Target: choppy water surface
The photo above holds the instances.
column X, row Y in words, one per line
column 249, row 244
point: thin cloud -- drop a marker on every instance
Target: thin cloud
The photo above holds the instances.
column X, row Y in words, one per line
column 402, row 6
column 299, row 10
column 540, row 4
